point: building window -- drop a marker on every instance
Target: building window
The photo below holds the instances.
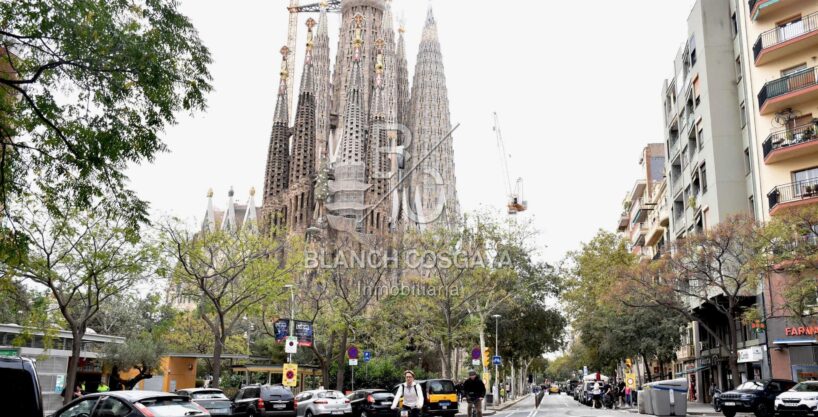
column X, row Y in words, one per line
column 742, row 116
column 692, row 47
column 747, row 166
column 738, row 68
column 703, row 177
column 734, row 25
column 700, row 134
column 752, row 207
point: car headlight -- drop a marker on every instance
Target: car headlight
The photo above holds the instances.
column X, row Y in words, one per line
column 811, row 398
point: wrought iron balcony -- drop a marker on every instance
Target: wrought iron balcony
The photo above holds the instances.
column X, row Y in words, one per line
column 788, row 91
column 788, row 143
column 785, row 40
column 793, row 194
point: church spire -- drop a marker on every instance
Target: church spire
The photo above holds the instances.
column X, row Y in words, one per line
column 276, row 179
column 430, row 123
column 321, row 70
column 352, row 141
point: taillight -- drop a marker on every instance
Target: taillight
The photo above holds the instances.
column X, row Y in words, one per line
column 260, row 404
column 369, row 399
column 346, row 401
column 295, row 403
column 144, row 410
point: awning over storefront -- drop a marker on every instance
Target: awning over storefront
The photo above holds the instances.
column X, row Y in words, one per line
column 692, row 370
column 801, row 341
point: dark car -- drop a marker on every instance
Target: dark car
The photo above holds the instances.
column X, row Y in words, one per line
column 131, row 404
column 211, row 399
column 264, row 400
column 19, row 388
column 372, row 403
column 754, row 396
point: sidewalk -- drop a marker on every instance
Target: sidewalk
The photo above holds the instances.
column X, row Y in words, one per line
column 491, row 410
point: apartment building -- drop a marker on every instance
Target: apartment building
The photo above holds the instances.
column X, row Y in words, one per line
column 707, row 176
column 640, row 222
column 776, row 58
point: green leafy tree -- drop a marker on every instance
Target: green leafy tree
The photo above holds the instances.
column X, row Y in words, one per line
column 88, row 88
column 231, row 274
column 82, row 258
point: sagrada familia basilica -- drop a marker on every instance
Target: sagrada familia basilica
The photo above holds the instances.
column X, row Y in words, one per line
column 364, row 154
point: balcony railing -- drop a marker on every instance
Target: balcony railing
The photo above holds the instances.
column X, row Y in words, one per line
column 797, row 81
column 783, row 34
column 795, row 191
column 787, row 137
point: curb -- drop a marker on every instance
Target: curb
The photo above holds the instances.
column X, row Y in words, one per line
column 492, row 411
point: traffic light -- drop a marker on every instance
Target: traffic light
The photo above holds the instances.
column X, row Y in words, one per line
column 486, row 357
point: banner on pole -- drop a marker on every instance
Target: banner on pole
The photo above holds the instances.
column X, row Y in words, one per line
column 282, row 329
column 304, row 333
column 290, row 375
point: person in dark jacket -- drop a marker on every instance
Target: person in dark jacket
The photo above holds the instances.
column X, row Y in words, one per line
column 473, row 388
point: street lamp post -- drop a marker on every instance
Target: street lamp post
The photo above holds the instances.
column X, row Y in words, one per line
column 496, row 391
column 292, row 317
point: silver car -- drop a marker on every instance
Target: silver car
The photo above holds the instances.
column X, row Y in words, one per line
column 322, row 403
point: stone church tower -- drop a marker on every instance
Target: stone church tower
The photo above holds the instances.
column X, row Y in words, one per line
column 331, row 169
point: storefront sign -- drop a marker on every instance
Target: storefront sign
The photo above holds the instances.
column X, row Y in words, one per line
column 801, row 331
column 753, row 354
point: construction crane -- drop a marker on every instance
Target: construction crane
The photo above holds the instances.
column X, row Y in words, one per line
column 516, row 203
column 292, row 36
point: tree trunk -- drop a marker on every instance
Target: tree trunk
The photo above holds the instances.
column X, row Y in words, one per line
column 73, row 362
column 445, row 359
column 732, row 355
column 339, row 378
column 327, row 360
column 130, row 383
column 218, row 346
column 647, row 368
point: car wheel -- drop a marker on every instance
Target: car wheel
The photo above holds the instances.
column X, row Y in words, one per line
column 729, row 413
column 308, row 413
column 363, row 414
column 762, row 410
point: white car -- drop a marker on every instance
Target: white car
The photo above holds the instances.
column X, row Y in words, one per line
column 800, row 399
column 322, row 403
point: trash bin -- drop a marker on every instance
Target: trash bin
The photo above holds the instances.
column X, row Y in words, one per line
column 669, row 397
column 489, row 398
column 643, row 400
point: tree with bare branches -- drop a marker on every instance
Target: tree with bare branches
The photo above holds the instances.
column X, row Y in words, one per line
column 83, row 258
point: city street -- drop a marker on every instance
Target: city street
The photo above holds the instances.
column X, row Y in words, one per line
column 564, row 405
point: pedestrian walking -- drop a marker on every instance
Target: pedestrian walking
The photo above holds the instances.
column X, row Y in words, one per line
column 628, row 393
column 411, row 394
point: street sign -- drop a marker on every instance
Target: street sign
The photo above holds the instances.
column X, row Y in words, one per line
column 496, row 360
column 353, row 362
column 475, row 362
column 291, row 345
column 290, row 375
column 352, row 352
column 367, row 356
column 475, row 353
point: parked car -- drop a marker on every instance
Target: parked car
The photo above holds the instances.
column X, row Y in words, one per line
column 372, row 403
column 264, row 401
column 19, row 384
column 212, row 399
column 754, row 396
column 132, row 404
column 800, row 399
column 323, row 403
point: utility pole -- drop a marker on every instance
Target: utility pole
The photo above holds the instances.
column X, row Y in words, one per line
column 496, row 353
column 292, row 317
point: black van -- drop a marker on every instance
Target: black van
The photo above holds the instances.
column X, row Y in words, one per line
column 19, row 388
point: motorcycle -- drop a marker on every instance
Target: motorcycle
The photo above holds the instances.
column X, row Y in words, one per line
column 716, row 400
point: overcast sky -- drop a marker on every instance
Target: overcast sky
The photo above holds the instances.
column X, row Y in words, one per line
column 577, row 90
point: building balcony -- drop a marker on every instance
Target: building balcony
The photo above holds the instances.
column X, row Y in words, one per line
column 791, row 143
column 654, row 233
column 640, row 210
column 786, row 40
column 764, row 8
column 624, row 221
column 686, row 352
column 792, row 195
column 638, row 232
column 789, row 91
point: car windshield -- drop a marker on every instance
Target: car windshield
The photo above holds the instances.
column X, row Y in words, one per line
column 335, row 395
column 441, row 387
column 751, row 386
column 209, row 395
column 383, row 395
column 806, row 387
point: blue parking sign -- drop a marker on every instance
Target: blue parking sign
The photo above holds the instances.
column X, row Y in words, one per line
column 367, row 356
column 495, row 360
